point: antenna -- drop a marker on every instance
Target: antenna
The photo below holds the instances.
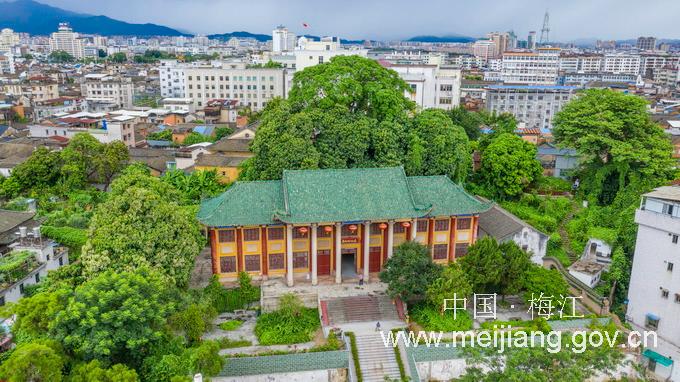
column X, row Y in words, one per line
column 545, row 31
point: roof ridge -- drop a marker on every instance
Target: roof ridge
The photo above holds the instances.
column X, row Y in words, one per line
column 343, row 169
column 411, row 194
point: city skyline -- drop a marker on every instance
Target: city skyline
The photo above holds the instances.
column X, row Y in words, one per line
column 356, row 20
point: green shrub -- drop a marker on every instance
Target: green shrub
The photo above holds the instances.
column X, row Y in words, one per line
column 549, row 184
column 429, row 318
column 68, row 236
column 292, row 323
column 355, row 355
column 555, row 241
column 228, row 300
column 193, row 321
column 397, row 356
column 231, row 325
column 332, row 343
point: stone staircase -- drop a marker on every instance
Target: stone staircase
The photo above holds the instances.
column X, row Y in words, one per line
column 359, row 309
column 375, row 359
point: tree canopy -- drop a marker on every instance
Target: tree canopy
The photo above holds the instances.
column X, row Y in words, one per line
column 352, row 112
column 617, row 141
column 85, row 160
column 409, row 272
column 508, row 166
column 139, row 228
column 353, row 83
column 125, row 311
column 34, row 361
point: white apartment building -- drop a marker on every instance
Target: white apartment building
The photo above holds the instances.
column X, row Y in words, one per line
column 432, row 86
column 173, row 81
column 621, row 63
column 253, row 87
column 110, row 88
column 466, row 61
column 309, row 53
column 581, row 63
column 668, row 76
column 534, row 105
column 8, row 39
column 581, row 78
column 283, row 40
column 649, row 62
column 654, row 291
column 7, row 63
column 68, row 41
column 538, row 67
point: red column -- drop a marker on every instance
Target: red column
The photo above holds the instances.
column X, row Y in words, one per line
column 239, row 250
column 265, row 259
column 383, row 246
column 214, row 251
column 452, row 239
column 430, row 235
column 309, row 251
column 475, row 225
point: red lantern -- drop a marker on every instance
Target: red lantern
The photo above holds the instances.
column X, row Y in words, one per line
column 353, row 227
column 303, row 230
column 406, row 224
column 382, row 226
column 328, row 229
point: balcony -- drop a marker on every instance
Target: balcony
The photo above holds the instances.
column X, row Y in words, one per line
column 657, row 220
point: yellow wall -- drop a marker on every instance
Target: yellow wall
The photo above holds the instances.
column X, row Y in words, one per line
column 224, row 174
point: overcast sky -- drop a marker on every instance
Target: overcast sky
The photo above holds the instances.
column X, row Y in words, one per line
column 394, row 19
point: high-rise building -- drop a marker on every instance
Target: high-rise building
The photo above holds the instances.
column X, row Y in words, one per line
column 531, row 40
column 646, row 43
column 531, row 68
column 283, row 40
column 484, row 49
column 501, row 41
column 8, row 39
column 654, row 291
column 68, row 41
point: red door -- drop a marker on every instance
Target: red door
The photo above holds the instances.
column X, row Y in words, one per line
column 374, row 259
column 323, row 262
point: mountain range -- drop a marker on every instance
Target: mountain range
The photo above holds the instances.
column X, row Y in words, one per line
column 35, row 18
column 449, row 38
column 40, row 19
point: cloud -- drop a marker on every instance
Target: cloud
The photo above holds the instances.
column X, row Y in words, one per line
column 394, row 19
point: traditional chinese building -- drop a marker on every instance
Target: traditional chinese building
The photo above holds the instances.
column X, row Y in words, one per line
column 313, row 223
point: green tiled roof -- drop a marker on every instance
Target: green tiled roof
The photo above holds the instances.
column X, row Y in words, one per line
column 245, row 203
column 338, row 195
column 445, row 197
column 285, row 363
column 348, row 195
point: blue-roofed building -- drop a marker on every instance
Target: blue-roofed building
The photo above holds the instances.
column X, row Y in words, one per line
column 557, row 162
column 533, row 105
column 208, row 130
